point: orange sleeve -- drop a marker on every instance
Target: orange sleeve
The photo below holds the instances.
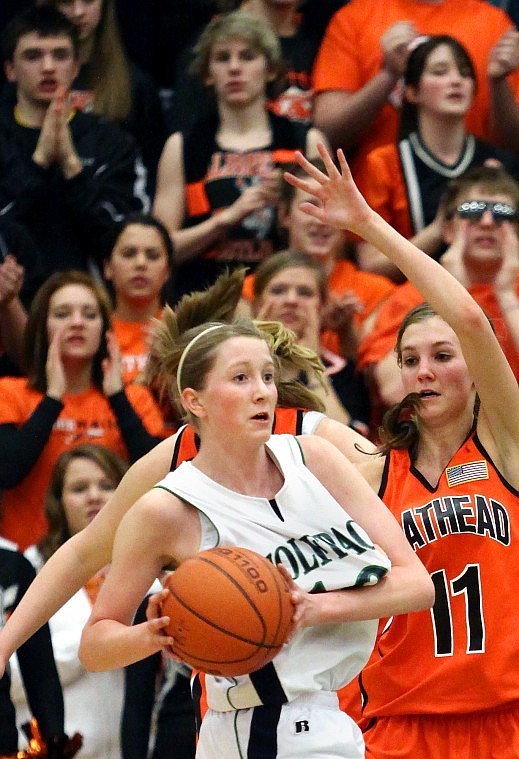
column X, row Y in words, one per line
column 146, row 407
column 338, row 65
column 380, row 179
column 382, row 338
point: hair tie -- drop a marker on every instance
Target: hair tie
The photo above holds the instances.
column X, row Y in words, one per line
column 188, row 348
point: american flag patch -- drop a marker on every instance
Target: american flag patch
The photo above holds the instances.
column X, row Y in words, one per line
column 474, row 470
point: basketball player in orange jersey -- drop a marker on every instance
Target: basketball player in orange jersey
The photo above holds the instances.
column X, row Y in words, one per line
column 443, row 683
column 248, row 487
column 218, row 184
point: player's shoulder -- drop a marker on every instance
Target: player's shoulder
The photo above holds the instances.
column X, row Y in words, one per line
column 372, row 470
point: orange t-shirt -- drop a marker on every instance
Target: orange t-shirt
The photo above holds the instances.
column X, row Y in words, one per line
column 350, row 54
column 85, row 418
column 371, row 290
column 133, row 341
column 382, row 338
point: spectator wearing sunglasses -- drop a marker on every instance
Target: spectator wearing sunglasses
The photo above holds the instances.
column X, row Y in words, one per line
column 404, row 180
column 480, row 230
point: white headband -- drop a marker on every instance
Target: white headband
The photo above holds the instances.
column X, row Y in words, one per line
column 188, row 348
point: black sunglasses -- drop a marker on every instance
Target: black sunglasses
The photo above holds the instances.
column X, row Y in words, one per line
column 474, row 210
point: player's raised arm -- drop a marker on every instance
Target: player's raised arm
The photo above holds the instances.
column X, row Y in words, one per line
column 340, row 204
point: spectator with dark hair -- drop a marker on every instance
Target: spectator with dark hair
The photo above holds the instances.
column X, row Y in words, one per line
column 137, row 271
column 66, row 176
column 404, row 181
column 357, row 76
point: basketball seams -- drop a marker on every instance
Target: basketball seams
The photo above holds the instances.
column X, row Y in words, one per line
column 267, row 604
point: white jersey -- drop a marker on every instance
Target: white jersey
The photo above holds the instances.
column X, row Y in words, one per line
column 306, row 530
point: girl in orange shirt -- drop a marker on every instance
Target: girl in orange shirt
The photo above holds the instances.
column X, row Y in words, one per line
column 73, row 393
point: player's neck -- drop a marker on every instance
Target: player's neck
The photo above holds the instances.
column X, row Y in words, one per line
column 438, row 445
column 247, row 471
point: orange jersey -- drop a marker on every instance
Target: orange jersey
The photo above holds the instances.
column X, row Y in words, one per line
column 461, row 656
column 85, row 417
column 351, row 55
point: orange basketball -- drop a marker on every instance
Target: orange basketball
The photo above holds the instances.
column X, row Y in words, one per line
column 230, row 611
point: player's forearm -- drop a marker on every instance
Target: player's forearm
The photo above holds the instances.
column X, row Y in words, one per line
column 108, row 644
column 403, row 590
column 343, row 117
column 438, row 287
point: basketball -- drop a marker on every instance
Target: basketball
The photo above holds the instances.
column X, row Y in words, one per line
column 230, row 611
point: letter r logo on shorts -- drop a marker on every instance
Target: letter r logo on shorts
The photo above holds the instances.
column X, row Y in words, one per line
column 302, row 726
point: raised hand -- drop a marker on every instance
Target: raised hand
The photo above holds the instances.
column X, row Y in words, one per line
column 11, row 280
column 395, row 47
column 112, row 367
column 504, row 56
column 341, row 205
column 54, row 369
column 453, row 259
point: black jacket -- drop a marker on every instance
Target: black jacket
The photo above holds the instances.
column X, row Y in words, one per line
column 35, row 657
column 71, row 221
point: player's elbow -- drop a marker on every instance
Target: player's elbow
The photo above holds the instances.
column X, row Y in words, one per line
column 423, row 593
column 89, row 651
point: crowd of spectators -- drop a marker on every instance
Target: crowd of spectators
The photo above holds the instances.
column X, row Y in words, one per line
column 142, row 147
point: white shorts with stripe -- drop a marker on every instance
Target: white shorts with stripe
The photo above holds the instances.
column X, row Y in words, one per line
column 310, row 727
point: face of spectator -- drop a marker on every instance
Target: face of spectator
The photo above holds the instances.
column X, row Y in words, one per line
column 307, row 234
column 485, row 237
column 84, row 14
column 237, row 72
column 86, row 489
column 40, row 65
column 291, row 297
column 443, row 87
column 138, row 267
column 74, row 312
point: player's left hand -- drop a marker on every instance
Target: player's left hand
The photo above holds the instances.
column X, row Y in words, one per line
column 340, row 205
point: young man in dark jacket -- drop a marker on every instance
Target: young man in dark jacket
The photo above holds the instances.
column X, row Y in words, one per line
column 66, row 176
